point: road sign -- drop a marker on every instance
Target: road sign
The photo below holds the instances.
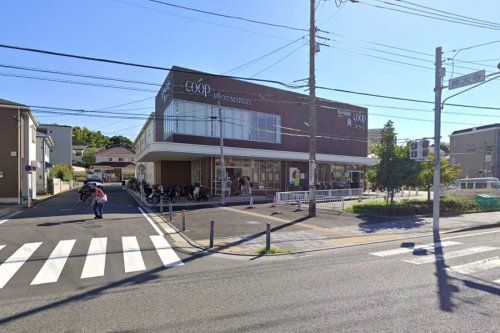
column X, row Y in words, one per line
column 466, row 80
column 28, row 168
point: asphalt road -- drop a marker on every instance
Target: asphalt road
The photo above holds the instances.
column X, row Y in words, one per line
column 388, row 287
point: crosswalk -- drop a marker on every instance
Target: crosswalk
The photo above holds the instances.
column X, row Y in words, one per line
column 95, row 258
column 425, row 254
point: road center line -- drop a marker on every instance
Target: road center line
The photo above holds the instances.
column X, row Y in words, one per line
column 158, row 231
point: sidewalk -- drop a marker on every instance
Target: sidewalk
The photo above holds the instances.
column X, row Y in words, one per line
column 6, row 210
column 242, row 231
column 185, row 204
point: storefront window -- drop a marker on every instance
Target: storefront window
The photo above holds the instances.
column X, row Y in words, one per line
column 192, row 118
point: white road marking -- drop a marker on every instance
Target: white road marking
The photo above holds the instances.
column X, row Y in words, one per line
column 451, row 255
column 476, row 266
column 15, row 261
column 2, row 246
column 475, row 234
column 54, row 265
column 132, row 257
column 96, row 258
column 158, row 231
column 403, row 250
column 3, row 221
column 497, row 281
column 165, row 251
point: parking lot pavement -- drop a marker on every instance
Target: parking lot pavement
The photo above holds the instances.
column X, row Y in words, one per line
column 239, row 229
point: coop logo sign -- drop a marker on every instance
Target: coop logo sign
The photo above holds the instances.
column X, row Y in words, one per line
column 204, row 89
column 198, row 87
column 353, row 119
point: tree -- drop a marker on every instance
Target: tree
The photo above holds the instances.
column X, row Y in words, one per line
column 394, row 168
column 449, row 173
column 120, row 141
column 86, row 137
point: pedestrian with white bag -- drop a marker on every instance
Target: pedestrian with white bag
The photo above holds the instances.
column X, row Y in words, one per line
column 100, row 199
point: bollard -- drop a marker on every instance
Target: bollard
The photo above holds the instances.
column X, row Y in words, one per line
column 251, row 202
column 212, row 232
column 268, row 237
column 170, row 213
column 299, row 204
column 183, row 214
column 161, row 206
column 276, row 205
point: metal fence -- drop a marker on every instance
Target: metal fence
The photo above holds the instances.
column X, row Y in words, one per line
column 321, row 195
column 325, row 199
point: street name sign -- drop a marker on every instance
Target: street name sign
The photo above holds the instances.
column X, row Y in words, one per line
column 467, row 80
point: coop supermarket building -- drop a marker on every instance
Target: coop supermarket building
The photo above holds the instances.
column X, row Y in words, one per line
column 266, row 136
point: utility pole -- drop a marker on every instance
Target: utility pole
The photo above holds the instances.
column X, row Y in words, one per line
column 312, row 113
column 438, row 87
column 222, row 164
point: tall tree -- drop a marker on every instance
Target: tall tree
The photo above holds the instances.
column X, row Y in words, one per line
column 120, row 141
column 394, row 168
column 449, row 173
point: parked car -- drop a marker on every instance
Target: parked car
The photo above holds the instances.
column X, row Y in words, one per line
column 470, row 187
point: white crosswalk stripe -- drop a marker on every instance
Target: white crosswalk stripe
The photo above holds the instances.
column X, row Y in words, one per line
column 96, row 258
column 451, row 255
column 497, row 281
column 16, row 261
column 415, row 249
column 167, row 255
column 132, row 257
column 54, row 265
column 477, row 266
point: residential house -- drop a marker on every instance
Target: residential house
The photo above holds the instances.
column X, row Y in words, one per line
column 62, row 136
column 44, row 145
column 115, row 164
column 77, row 153
column 18, row 160
column 475, row 149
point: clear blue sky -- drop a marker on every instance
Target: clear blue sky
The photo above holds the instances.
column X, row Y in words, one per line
column 127, row 30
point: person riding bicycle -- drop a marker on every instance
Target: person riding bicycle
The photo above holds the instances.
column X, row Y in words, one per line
column 85, row 192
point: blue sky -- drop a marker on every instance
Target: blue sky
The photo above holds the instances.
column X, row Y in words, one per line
column 144, row 32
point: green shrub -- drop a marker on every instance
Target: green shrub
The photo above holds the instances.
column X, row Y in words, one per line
column 61, row 171
column 415, row 207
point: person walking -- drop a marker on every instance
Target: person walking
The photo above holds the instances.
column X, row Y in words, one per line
column 100, row 199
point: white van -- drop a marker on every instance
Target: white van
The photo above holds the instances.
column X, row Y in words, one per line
column 472, row 186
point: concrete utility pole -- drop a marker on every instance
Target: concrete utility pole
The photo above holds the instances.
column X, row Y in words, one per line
column 222, row 164
column 438, row 88
column 312, row 113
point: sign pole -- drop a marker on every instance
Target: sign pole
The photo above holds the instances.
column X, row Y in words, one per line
column 437, row 138
column 312, row 112
column 222, row 164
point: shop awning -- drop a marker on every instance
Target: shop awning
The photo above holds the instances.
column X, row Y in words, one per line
column 171, row 151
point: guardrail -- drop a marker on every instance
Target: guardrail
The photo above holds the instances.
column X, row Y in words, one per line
column 321, row 195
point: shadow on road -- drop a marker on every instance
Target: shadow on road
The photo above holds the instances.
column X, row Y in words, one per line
column 370, row 226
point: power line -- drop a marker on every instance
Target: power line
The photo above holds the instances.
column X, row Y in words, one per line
column 124, row 63
column 405, row 99
column 75, row 82
column 262, row 57
column 279, row 60
column 468, row 18
column 417, row 13
column 228, row 16
column 98, row 77
column 201, row 20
